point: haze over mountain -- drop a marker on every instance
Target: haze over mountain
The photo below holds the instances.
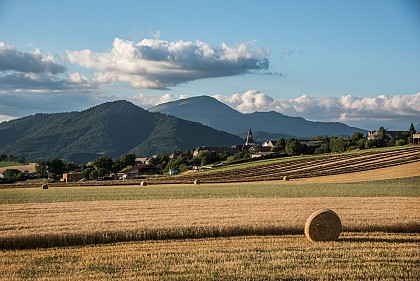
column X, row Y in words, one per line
column 112, row 129
column 213, row 113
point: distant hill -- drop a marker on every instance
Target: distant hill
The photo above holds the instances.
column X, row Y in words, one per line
column 112, row 129
column 213, row 113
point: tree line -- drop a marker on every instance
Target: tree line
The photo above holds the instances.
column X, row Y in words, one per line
column 105, row 165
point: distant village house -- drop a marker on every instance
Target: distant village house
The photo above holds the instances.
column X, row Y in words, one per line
column 137, row 171
column 71, row 177
column 416, row 138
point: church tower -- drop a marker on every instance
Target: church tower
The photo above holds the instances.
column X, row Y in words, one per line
column 250, row 138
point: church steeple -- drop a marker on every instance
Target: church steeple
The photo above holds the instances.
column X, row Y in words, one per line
column 249, row 138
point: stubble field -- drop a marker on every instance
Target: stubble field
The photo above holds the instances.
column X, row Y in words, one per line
column 251, row 231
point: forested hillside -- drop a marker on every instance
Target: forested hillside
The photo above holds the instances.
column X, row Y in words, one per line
column 112, row 129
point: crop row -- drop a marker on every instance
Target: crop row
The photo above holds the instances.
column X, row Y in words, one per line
column 304, row 168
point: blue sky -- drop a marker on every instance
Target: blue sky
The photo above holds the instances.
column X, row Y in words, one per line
column 356, row 62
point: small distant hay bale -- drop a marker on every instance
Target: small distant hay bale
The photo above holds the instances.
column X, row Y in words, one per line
column 197, row 182
column 285, row 178
column 323, row 225
column 45, row 186
column 143, row 183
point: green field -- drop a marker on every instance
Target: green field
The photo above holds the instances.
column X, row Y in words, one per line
column 8, row 164
column 387, row 188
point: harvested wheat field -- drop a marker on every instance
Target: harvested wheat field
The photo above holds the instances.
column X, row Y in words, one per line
column 80, row 223
column 394, row 172
column 356, row 256
column 220, row 231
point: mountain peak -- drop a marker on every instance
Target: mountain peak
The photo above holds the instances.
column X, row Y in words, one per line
column 211, row 112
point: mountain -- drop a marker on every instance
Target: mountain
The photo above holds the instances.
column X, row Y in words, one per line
column 213, row 113
column 112, row 129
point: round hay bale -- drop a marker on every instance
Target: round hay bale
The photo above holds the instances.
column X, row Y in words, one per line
column 45, row 186
column 323, row 225
column 197, row 182
column 285, row 178
column 143, row 183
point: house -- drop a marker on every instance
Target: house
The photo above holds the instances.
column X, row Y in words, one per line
column 71, row 177
column 140, row 160
column 138, row 170
column 178, row 154
column 394, row 135
column 220, row 149
column 269, row 143
column 416, row 138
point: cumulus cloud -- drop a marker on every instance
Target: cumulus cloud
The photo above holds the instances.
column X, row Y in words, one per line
column 34, row 72
column 159, row 64
column 13, row 60
column 146, row 100
column 347, row 108
column 376, row 107
column 4, row 118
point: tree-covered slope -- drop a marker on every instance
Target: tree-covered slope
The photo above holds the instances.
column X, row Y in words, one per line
column 111, row 129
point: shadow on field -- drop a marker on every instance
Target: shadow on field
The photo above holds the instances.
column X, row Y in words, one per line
column 380, row 240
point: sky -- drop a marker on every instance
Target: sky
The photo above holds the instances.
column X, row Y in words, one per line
column 356, row 62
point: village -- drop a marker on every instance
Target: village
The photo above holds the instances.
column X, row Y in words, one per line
column 205, row 157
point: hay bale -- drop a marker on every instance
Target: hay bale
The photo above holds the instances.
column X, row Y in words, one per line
column 323, row 225
column 197, row 182
column 285, row 178
column 143, row 183
column 45, row 186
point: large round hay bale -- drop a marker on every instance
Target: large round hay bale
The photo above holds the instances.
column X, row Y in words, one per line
column 45, row 186
column 285, row 178
column 143, row 183
column 197, row 182
column 323, row 225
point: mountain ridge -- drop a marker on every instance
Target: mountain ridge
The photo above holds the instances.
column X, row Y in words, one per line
column 213, row 113
column 111, row 129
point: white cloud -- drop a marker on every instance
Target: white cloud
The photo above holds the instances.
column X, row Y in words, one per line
column 4, row 118
column 146, row 100
column 37, row 73
column 13, row 60
column 158, row 64
column 393, row 110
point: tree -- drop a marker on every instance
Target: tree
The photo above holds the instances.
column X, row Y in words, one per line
column 14, row 175
column 412, row 131
column 55, row 167
column 293, row 147
column 281, row 143
column 339, row 144
column 124, row 161
column 356, row 136
column 41, row 169
column 86, row 172
column 103, row 162
column 71, row 167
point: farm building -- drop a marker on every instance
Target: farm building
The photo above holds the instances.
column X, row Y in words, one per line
column 138, row 170
column 394, row 135
column 71, row 177
column 218, row 149
column 141, row 160
column 416, row 138
column 269, row 143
